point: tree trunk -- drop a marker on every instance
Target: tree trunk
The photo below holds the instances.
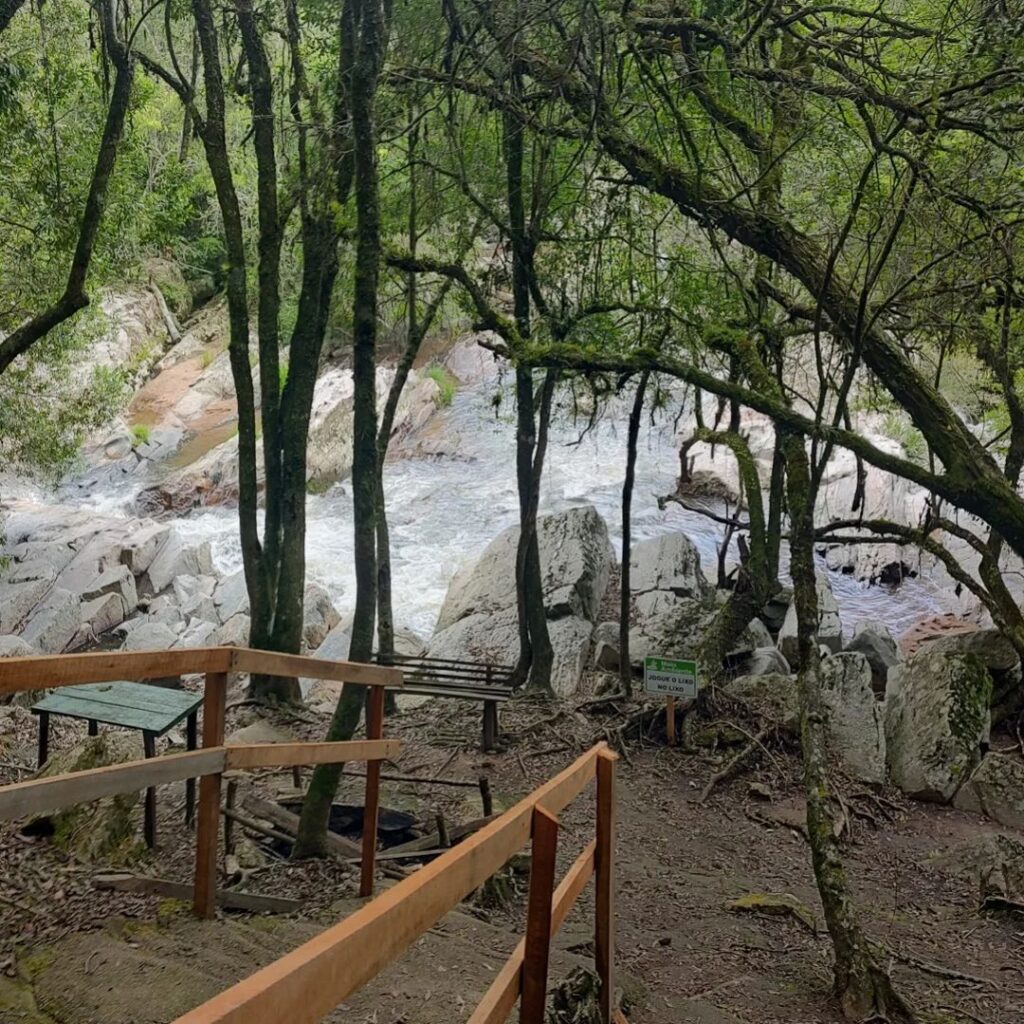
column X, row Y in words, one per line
column 625, row 667
column 862, row 987
column 370, row 45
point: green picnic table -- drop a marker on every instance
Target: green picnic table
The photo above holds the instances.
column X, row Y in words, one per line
column 153, row 710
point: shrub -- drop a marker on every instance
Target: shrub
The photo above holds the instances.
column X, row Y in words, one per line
column 446, row 383
column 140, row 434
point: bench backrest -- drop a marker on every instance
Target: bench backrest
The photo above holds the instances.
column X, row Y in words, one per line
column 448, row 671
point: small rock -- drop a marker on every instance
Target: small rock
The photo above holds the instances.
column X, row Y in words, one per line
column 875, row 642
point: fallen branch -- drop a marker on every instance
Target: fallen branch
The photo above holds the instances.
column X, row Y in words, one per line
column 181, row 891
column 736, row 763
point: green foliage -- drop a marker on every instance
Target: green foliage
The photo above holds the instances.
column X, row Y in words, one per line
column 140, row 434
column 446, row 383
column 896, row 426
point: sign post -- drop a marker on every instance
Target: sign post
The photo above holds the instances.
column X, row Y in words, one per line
column 674, row 678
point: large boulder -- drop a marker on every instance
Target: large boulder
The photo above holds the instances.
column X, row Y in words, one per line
column 319, row 616
column 118, row 581
column 996, row 789
column 937, row 720
column 763, row 661
column 1000, row 658
column 855, row 719
column 606, row 647
column 55, row 622
column 176, row 557
column 151, row 636
column 479, row 620
column 18, row 599
column 673, row 603
column 103, row 829
column 142, row 546
column 575, row 556
column 668, row 563
column 873, row 640
column 231, row 596
column 830, row 628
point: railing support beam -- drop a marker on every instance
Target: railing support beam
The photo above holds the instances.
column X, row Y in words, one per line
column 371, row 803
column 604, row 865
column 538, row 920
column 208, row 818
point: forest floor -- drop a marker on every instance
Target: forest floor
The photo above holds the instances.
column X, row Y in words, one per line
column 75, row 955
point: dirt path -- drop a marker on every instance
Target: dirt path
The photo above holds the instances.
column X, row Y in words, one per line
column 684, row 957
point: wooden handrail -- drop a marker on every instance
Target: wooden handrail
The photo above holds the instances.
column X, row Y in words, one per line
column 34, row 796
column 52, row 671
column 306, row 984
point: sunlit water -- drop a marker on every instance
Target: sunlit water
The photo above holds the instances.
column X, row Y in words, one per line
column 444, row 511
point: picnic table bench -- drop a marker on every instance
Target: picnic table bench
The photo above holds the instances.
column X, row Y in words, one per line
column 153, row 710
column 462, row 680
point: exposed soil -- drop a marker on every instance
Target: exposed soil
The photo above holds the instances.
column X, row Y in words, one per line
column 75, row 955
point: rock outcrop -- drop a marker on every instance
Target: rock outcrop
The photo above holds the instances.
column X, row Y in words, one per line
column 478, row 620
column 937, row 721
column 873, row 640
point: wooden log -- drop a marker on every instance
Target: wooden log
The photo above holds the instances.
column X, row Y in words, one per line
column 306, row 984
column 51, row 672
column 231, row 816
column 284, row 819
column 276, row 755
column 208, row 818
column 371, row 802
column 433, row 839
column 271, row 663
column 501, row 997
column 538, row 918
column 52, row 794
column 229, row 898
column 604, row 866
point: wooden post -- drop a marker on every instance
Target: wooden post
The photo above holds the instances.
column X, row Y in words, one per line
column 44, row 738
column 149, row 817
column 604, row 869
column 191, row 736
column 538, row 919
column 486, row 800
column 229, row 821
column 670, row 721
column 374, row 731
column 208, row 818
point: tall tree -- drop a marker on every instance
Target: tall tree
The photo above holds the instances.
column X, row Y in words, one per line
column 366, row 36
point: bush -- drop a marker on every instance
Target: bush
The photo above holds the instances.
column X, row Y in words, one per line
column 140, row 434
column 446, row 383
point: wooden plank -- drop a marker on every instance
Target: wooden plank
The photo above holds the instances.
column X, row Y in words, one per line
column 50, row 672
column 501, row 997
column 284, row 819
column 306, row 984
column 433, row 839
column 538, row 918
column 229, row 898
column 371, row 801
column 244, row 659
column 208, row 818
column 51, row 794
column 275, row 755
column 604, row 866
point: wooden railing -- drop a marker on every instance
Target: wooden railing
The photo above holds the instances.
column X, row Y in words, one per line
column 308, row 983
column 214, row 758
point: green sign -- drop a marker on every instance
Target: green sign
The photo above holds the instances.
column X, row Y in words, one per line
column 671, row 677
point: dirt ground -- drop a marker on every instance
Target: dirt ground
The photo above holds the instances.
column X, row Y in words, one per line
column 75, row 955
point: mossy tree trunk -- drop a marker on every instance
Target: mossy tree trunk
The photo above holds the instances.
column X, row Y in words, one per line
column 862, row 986
column 369, row 32
column 625, row 607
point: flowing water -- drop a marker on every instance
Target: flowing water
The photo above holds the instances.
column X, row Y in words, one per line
column 444, row 511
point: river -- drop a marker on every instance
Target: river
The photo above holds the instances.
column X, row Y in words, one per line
column 444, row 511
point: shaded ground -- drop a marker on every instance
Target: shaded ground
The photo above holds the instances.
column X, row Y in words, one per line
column 685, row 957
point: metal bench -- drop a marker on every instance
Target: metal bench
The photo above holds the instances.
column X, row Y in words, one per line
column 153, row 710
column 461, row 680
